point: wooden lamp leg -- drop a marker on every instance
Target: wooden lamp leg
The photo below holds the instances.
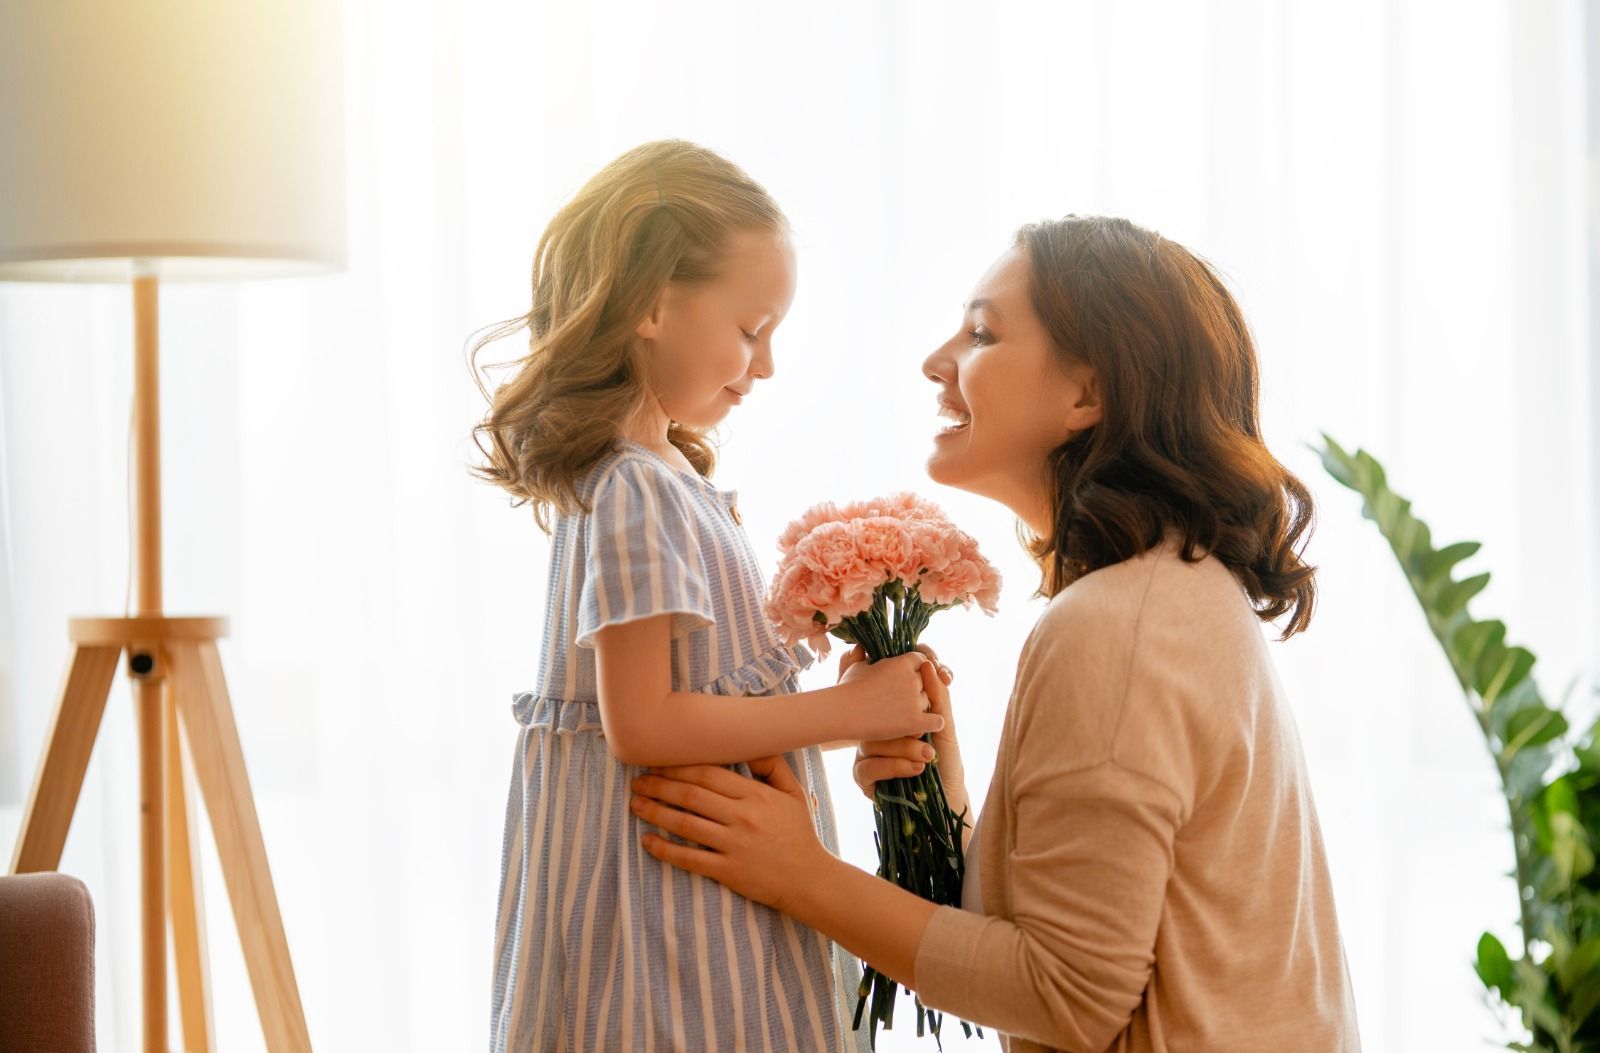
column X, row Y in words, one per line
column 185, row 904
column 207, row 718
column 152, row 862
column 66, row 757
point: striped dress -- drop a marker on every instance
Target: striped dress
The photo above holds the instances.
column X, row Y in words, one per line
column 599, row 946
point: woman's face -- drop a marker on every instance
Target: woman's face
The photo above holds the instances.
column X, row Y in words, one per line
column 1007, row 396
column 710, row 342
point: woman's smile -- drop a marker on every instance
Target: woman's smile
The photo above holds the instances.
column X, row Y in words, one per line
column 959, row 419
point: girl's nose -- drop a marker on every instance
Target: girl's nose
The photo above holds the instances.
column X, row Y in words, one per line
column 761, row 366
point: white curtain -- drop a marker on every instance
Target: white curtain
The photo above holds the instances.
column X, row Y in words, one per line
column 1395, row 189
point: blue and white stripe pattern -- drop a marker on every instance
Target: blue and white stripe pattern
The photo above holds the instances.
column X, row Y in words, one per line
column 598, row 946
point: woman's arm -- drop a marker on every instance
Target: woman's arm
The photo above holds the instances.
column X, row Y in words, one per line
column 742, row 821
column 1087, row 879
column 648, row 724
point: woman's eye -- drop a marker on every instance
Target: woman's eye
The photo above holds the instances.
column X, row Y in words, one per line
column 979, row 335
column 749, row 338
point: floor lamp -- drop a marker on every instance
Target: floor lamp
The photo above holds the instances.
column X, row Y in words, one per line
column 169, row 140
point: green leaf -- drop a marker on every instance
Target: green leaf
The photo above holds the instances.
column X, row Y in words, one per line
column 1511, row 665
column 1452, row 597
column 1533, row 726
column 1335, row 460
column 1524, row 777
column 1569, row 848
column 1387, row 508
column 1580, row 964
column 1478, row 642
column 1412, row 539
column 1585, row 999
column 1494, row 965
column 1437, row 565
column 1588, row 753
column 1371, row 471
column 1560, row 796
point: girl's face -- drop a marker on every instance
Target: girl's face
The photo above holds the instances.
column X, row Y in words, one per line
column 709, row 343
column 1008, row 396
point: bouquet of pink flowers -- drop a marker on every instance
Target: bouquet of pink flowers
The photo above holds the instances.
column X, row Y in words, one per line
column 872, row 573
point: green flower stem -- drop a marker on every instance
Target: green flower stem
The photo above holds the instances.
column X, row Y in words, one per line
column 917, row 836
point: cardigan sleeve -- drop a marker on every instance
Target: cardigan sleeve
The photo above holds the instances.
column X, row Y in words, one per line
column 1088, row 875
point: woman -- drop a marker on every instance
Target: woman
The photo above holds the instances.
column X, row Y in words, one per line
column 1148, row 872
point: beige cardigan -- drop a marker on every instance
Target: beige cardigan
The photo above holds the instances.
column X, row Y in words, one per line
column 1152, row 871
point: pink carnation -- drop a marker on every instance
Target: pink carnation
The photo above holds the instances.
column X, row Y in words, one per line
column 826, row 512
column 936, row 546
column 988, row 594
column 798, row 595
column 884, row 544
column 955, row 584
column 831, row 549
column 838, row 560
column 901, row 505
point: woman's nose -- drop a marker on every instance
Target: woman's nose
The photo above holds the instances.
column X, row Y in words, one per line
column 939, row 367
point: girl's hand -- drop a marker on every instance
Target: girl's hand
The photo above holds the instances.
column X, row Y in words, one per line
column 897, row 758
column 856, row 654
column 757, row 834
column 891, row 698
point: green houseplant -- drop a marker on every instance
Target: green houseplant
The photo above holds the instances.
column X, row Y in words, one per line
column 1550, row 779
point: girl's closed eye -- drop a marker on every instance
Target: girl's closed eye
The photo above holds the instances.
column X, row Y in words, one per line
column 749, row 337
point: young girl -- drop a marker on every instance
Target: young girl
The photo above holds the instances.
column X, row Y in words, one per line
column 656, row 292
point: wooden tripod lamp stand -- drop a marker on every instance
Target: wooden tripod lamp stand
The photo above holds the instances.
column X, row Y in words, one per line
column 169, row 140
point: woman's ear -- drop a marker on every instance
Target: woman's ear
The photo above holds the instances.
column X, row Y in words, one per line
column 1085, row 411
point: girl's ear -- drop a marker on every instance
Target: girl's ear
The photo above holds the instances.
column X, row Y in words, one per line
column 649, row 326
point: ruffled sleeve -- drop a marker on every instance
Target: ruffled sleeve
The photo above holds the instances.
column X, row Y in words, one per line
column 643, row 557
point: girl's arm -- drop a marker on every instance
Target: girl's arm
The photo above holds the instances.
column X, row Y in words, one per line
column 648, row 724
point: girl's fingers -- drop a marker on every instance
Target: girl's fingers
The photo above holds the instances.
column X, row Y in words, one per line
column 687, row 826
column 850, row 658
column 688, row 796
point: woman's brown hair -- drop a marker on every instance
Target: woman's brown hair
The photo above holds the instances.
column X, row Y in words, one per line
column 1178, row 446
column 662, row 212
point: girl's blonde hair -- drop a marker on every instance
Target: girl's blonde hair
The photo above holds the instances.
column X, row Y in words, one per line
column 662, row 212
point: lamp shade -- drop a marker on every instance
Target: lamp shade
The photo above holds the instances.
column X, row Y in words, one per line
column 202, row 139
